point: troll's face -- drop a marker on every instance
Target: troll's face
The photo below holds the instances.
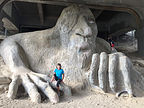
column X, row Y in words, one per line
column 78, row 32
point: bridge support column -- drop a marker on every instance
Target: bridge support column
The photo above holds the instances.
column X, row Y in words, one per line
column 140, row 37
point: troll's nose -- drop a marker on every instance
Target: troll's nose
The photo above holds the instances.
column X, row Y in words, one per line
column 87, row 31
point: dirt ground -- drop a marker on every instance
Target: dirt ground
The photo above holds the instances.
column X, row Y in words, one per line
column 81, row 100
column 86, row 99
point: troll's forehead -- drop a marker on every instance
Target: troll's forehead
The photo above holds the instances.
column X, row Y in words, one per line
column 70, row 16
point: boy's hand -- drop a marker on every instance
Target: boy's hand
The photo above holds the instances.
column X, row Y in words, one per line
column 51, row 81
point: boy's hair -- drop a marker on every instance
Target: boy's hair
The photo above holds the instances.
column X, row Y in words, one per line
column 58, row 65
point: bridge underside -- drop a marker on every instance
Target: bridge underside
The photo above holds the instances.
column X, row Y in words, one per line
column 113, row 19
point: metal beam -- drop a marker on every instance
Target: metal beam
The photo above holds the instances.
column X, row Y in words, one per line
column 121, row 31
column 3, row 4
column 40, row 11
column 9, row 25
column 94, row 6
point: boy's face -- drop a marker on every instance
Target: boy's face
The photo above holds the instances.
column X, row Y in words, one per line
column 58, row 67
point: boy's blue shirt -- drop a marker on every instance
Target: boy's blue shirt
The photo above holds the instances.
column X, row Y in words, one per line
column 59, row 73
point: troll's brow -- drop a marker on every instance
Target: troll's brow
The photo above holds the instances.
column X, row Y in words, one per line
column 91, row 18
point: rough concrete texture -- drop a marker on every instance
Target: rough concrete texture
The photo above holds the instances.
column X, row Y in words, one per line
column 31, row 58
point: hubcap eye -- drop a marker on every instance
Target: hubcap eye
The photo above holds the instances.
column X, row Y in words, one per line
column 91, row 22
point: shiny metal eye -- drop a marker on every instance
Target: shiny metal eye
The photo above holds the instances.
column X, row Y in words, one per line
column 91, row 21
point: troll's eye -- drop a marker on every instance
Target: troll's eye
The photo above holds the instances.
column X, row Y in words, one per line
column 91, row 20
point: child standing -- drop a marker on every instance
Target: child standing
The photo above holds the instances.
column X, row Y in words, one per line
column 58, row 75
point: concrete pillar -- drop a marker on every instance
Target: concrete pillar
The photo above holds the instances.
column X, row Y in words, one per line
column 140, row 37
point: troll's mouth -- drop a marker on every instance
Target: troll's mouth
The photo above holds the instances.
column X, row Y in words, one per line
column 84, row 47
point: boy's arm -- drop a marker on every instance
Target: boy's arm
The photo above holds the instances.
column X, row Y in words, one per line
column 53, row 77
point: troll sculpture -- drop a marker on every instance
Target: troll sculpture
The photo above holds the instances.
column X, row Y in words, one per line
column 31, row 58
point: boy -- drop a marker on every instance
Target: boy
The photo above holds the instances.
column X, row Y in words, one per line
column 58, row 76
